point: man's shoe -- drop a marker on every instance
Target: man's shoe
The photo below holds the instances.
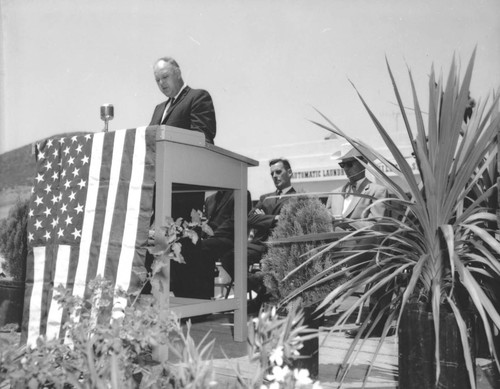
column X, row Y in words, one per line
column 352, row 333
column 253, row 306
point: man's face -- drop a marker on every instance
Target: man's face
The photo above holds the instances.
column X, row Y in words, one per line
column 168, row 78
column 354, row 170
column 281, row 176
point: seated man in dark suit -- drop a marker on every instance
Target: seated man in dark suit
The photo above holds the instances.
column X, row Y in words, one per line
column 219, row 211
column 261, row 221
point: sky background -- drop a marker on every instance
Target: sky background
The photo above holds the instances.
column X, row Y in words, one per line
column 267, row 64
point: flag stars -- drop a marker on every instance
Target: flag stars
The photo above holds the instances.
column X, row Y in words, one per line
column 61, row 140
column 72, row 195
column 60, row 233
column 30, row 213
column 55, row 222
column 78, row 149
column 30, row 237
column 69, row 220
column 38, row 200
column 55, row 153
column 79, row 208
column 38, row 224
column 47, row 211
column 76, row 233
column 71, row 161
column 66, row 150
column 64, row 208
column 76, row 172
column 73, row 139
column 48, row 189
column 49, row 143
column 39, row 178
column 82, row 183
column 48, row 165
column 88, row 136
column 55, row 176
column 85, row 160
column 41, row 154
column 63, row 173
column 55, row 199
column 67, row 184
column 47, row 235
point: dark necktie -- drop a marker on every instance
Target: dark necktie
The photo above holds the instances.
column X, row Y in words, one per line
column 278, row 194
column 169, row 104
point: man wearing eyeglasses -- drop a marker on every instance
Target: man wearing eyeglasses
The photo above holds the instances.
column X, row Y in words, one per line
column 354, row 201
column 357, row 198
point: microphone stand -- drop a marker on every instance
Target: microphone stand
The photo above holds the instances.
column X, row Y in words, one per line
column 107, row 114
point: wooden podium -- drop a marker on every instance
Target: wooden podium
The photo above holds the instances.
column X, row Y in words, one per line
column 185, row 163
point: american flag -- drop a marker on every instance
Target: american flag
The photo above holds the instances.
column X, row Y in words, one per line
column 89, row 216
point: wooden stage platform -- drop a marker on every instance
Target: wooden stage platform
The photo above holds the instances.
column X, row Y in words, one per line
column 333, row 346
column 229, row 355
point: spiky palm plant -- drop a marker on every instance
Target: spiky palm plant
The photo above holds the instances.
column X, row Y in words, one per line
column 438, row 244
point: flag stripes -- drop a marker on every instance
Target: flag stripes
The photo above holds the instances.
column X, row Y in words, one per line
column 89, row 216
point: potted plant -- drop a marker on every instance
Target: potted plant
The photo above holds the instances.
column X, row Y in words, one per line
column 302, row 216
column 436, row 251
column 14, row 248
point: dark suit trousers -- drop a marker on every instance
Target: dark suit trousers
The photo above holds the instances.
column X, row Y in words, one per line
column 254, row 255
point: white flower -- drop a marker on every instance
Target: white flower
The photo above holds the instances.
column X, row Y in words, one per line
column 302, row 376
column 277, row 356
column 317, row 385
column 279, row 374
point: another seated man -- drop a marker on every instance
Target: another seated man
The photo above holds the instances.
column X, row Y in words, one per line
column 219, row 211
column 347, row 204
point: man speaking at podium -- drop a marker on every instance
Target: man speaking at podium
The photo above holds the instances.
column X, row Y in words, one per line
column 191, row 109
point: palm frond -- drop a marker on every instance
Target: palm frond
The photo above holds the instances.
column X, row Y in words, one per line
column 439, row 235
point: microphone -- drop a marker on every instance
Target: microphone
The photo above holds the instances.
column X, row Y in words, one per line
column 107, row 114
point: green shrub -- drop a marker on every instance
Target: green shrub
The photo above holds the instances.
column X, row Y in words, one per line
column 300, row 216
column 13, row 240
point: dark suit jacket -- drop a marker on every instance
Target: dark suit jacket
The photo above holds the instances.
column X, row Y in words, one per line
column 192, row 110
column 219, row 207
column 264, row 224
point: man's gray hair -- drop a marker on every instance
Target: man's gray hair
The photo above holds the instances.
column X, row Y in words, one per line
column 168, row 60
